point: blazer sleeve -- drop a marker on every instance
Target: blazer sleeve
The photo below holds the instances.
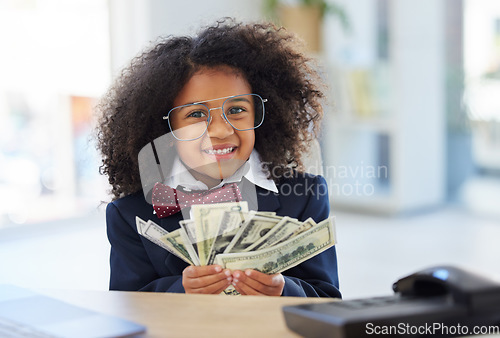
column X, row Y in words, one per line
column 131, row 267
column 318, row 276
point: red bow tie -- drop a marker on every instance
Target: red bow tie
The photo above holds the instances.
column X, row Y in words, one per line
column 168, row 201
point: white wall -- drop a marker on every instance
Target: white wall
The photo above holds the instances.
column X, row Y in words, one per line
column 135, row 23
column 418, row 50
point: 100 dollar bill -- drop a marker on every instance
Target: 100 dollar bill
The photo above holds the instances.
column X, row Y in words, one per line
column 255, row 228
column 207, row 218
column 177, row 241
column 155, row 234
column 228, row 228
column 276, row 233
column 284, row 255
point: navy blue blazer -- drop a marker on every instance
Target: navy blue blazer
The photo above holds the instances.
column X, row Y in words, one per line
column 140, row 265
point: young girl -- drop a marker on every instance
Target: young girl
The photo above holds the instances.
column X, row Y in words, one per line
column 235, row 96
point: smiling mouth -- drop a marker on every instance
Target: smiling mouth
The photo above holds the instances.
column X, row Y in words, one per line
column 222, row 151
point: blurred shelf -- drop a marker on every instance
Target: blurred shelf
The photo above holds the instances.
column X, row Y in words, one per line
column 384, row 150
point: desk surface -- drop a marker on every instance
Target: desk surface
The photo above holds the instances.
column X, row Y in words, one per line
column 180, row 315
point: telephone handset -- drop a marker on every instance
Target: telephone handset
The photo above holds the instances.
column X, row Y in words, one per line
column 442, row 301
column 476, row 292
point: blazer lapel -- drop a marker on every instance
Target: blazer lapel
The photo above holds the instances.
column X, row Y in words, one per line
column 258, row 198
column 268, row 200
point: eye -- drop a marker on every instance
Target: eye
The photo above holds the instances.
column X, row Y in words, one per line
column 235, row 111
column 197, row 114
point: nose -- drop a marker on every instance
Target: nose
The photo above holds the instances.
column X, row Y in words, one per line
column 218, row 126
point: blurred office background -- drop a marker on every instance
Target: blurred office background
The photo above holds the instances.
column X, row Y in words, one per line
column 410, row 146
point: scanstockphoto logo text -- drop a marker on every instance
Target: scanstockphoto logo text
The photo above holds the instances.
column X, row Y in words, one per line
column 359, row 180
column 430, row 329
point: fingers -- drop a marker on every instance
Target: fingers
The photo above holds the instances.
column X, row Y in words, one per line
column 213, row 279
column 205, row 279
column 253, row 282
column 244, row 289
column 199, row 271
column 268, row 280
column 214, row 288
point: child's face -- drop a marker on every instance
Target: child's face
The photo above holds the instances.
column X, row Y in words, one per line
column 234, row 146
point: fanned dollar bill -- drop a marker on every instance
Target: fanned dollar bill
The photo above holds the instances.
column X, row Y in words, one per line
column 285, row 255
column 282, row 232
column 251, row 231
column 207, row 218
column 276, row 233
column 140, row 224
column 228, row 227
column 186, row 241
column 189, row 228
column 176, row 240
column 154, row 233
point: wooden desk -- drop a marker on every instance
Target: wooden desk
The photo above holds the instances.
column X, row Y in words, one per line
column 180, row 315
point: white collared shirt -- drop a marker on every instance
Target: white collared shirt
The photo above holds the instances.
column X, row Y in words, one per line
column 251, row 170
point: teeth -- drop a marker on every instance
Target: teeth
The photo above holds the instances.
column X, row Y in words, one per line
column 219, row 151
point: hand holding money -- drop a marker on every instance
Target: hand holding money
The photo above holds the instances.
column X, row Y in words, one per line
column 238, row 240
column 210, row 279
column 253, row 282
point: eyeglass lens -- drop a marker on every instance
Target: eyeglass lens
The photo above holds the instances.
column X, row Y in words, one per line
column 243, row 112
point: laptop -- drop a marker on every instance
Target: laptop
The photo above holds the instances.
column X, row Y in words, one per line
column 24, row 313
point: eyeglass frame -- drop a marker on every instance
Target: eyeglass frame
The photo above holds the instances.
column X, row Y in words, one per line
column 166, row 117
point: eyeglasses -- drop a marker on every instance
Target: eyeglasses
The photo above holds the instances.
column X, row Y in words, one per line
column 190, row 121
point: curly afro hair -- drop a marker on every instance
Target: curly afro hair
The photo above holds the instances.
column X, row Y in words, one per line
column 270, row 58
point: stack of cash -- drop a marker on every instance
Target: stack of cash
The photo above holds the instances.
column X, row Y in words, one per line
column 230, row 235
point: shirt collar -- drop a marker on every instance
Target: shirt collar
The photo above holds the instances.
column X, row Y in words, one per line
column 252, row 170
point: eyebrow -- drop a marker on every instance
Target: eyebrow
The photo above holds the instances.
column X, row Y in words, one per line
column 239, row 98
column 220, row 98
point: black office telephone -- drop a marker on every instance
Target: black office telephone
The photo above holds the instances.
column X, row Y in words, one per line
column 442, row 301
